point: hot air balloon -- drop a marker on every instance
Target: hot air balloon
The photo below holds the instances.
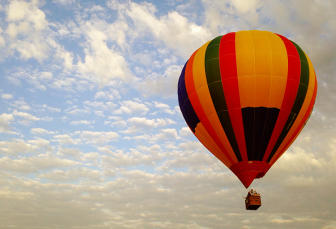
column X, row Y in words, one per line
column 246, row 96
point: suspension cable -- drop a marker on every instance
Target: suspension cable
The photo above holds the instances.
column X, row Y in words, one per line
column 229, row 179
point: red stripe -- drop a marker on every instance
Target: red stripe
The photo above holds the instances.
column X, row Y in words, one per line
column 228, row 69
column 297, row 132
column 195, row 102
column 292, row 85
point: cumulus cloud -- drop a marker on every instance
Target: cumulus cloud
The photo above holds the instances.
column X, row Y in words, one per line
column 40, row 131
column 185, row 131
column 80, row 122
column 15, row 147
column 164, row 107
column 20, row 104
column 168, row 133
column 72, row 152
column 79, row 173
column 98, row 137
column 26, row 165
column 173, row 29
column 27, row 119
column 130, row 107
column 164, row 84
column 6, row 96
column 101, row 63
column 5, row 120
column 142, row 124
column 104, row 95
column 25, row 18
column 65, row 139
column 132, row 158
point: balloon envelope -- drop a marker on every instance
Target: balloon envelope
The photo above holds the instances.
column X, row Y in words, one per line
column 246, row 96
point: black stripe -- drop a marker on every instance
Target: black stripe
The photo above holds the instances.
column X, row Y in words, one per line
column 271, row 118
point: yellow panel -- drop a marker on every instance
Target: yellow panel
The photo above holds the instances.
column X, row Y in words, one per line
column 258, row 34
column 246, row 91
column 262, row 93
column 261, row 44
column 198, row 67
column 279, row 64
column 277, row 44
column 278, row 87
column 304, row 108
column 245, row 63
column 204, row 137
column 244, row 42
column 263, row 63
column 206, row 101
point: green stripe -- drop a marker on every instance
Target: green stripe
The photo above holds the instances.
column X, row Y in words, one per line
column 304, row 80
column 300, row 97
column 214, row 80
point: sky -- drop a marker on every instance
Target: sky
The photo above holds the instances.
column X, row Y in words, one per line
column 91, row 135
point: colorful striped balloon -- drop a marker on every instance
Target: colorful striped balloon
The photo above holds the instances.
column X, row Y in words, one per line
column 246, row 96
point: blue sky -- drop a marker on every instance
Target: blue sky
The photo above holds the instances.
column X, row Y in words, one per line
column 92, row 136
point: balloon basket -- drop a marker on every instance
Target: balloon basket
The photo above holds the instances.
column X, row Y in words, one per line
column 252, row 200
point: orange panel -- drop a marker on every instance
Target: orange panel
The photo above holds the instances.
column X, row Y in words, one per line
column 204, row 137
column 278, row 88
column 246, row 91
column 262, row 93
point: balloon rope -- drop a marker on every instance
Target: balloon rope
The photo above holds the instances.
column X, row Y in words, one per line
column 229, row 179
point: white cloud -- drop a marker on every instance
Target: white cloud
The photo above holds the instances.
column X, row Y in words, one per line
column 64, row 2
column 27, row 20
column 191, row 146
column 79, row 173
column 101, row 63
column 27, row 118
column 19, row 146
column 130, row 107
column 163, row 85
column 41, row 144
column 143, row 124
column 25, row 115
column 167, row 134
column 80, row 122
column 22, row 105
column 164, row 107
column 103, row 95
column 73, row 152
column 74, row 110
column 98, row 137
column 34, row 164
column 194, row 161
column 185, row 131
column 91, row 158
column 173, row 30
column 119, row 123
column 45, row 107
column 5, row 120
column 15, row 147
column 6, row 96
column 65, row 139
column 132, row 158
column 161, row 105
